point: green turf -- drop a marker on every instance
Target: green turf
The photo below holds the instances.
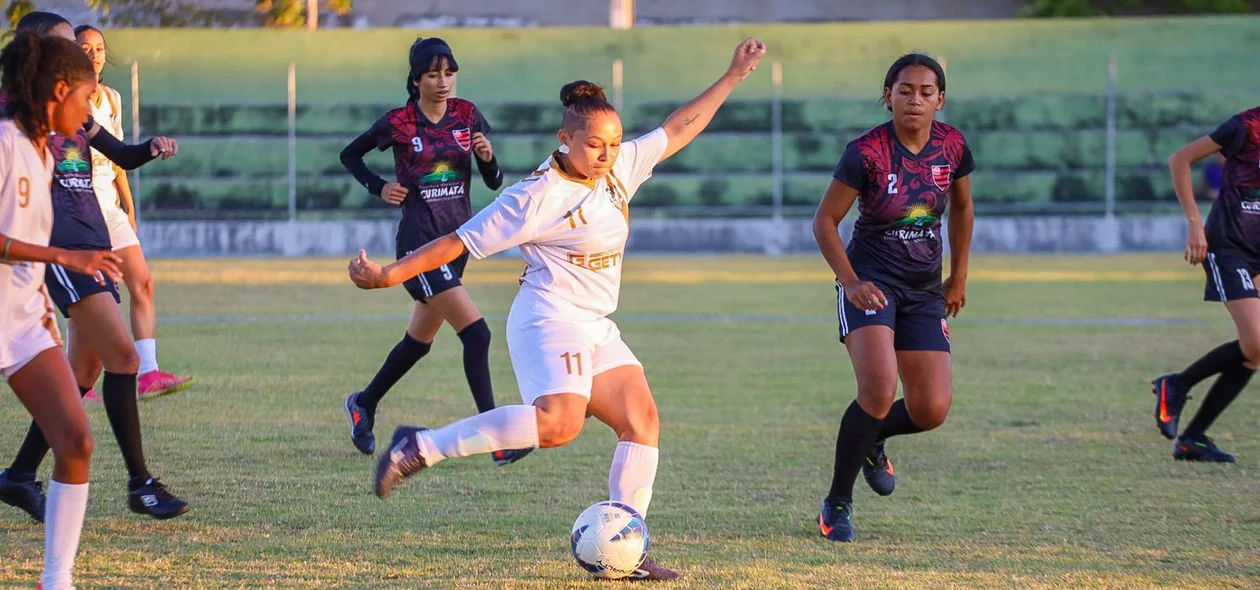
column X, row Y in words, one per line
column 1049, row 473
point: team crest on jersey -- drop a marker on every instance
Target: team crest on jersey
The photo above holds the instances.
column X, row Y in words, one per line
column 941, row 176
column 945, row 329
column 463, row 137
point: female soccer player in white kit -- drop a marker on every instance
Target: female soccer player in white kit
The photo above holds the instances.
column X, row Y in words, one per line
column 571, row 221
column 46, row 83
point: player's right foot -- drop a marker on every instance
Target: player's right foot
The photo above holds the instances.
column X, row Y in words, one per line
column 650, row 571
column 27, row 496
column 159, row 383
column 878, row 470
column 153, row 499
column 93, row 397
column 1170, row 398
column 361, row 424
column 835, row 521
column 402, row 461
column 509, row 456
column 1199, row 448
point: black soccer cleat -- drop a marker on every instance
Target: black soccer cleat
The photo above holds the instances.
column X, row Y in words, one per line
column 878, row 470
column 27, row 496
column 402, row 461
column 1199, row 448
column 650, row 571
column 361, row 424
column 510, row 456
column 153, row 499
column 835, row 521
column 1170, row 398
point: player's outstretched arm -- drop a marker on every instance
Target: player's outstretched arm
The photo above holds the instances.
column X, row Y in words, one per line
column 962, row 219
column 835, row 204
column 88, row 262
column 128, row 156
column 1179, row 165
column 369, row 275
column 690, row 119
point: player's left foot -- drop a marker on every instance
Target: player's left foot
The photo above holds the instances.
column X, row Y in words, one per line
column 1170, row 398
column 159, row 383
column 878, row 470
column 155, row 500
column 509, row 456
column 92, row 396
column 650, row 571
column 361, row 424
column 28, row 496
column 1199, row 448
column 835, row 521
column 401, row 461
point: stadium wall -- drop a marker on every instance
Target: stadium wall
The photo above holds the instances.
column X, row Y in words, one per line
column 691, row 236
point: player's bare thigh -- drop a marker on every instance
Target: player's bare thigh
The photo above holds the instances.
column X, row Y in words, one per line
column 425, row 323
column 456, row 306
column 621, row 398
column 875, row 366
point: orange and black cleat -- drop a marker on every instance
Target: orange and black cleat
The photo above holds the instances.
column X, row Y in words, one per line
column 1199, row 448
column 1170, row 398
column 878, row 470
column 835, row 521
column 361, row 424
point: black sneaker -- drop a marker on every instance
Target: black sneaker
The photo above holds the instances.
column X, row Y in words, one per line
column 510, row 456
column 650, row 571
column 878, row 470
column 1170, row 398
column 1199, row 448
column 835, row 521
column 402, row 461
column 153, row 499
column 27, row 496
column 361, row 424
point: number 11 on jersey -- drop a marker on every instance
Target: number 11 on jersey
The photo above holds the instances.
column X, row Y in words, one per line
column 574, row 216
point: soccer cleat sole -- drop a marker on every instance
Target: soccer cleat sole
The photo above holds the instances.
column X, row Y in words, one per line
column 169, row 390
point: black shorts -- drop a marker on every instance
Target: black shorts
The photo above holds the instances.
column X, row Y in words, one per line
column 917, row 317
column 67, row 287
column 443, row 278
column 1229, row 275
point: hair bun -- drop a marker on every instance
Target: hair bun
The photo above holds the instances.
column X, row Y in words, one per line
column 580, row 90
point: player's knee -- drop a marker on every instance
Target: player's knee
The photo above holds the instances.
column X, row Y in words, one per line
column 123, row 361
column 931, row 412
column 556, row 429
column 143, row 289
column 74, row 446
column 643, row 427
column 1251, row 350
column 476, row 335
column 876, row 393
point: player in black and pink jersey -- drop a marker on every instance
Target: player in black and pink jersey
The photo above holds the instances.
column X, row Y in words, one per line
column 891, row 302
column 435, row 139
column 1229, row 248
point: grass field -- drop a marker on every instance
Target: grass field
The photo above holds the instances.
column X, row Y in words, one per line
column 1049, row 472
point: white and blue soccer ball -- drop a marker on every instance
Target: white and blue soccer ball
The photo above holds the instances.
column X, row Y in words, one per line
column 610, row 540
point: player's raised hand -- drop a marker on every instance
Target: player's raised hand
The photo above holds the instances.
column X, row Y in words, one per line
column 366, row 274
column 747, row 56
column 481, row 147
column 164, row 147
column 98, row 263
column 955, row 296
column 1196, row 244
column 394, row 193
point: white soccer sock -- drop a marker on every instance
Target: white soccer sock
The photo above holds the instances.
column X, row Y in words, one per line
column 147, row 349
column 632, row 474
column 505, row 427
column 63, row 522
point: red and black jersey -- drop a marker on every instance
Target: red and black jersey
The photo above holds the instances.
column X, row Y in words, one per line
column 433, row 161
column 901, row 199
column 1235, row 217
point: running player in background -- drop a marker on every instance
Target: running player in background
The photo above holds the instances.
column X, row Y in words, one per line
column 1229, row 249
column 891, row 302
column 571, row 221
column 114, row 194
column 434, row 139
column 98, row 333
column 46, row 82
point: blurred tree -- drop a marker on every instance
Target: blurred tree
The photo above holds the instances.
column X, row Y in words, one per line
column 149, row 13
column 292, row 13
column 1087, row 8
column 16, row 10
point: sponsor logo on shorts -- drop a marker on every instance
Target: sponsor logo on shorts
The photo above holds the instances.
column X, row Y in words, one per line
column 945, row 329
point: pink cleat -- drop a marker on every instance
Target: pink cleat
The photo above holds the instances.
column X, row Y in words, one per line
column 92, row 396
column 158, row 383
